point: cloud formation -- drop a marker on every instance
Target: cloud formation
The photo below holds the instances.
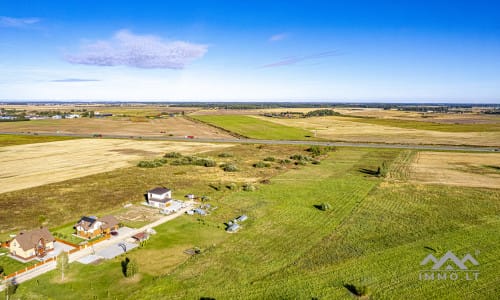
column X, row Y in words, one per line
column 278, row 37
column 17, row 22
column 139, row 51
column 74, row 80
column 296, row 59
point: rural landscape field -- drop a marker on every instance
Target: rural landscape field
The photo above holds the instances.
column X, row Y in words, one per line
column 386, row 209
column 240, row 150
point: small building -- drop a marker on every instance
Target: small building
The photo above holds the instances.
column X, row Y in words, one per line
column 190, row 196
column 57, row 117
column 200, row 211
column 91, row 227
column 233, row 227
column 141, row 236
column 241, row 218
column 32, row 244
column 159, row 197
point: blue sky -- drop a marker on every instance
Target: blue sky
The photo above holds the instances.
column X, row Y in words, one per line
column 387, row 51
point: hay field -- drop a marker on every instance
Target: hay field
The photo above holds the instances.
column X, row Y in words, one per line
column 31, row 165
column 176, row 126
column 344, row 129
column 441, row 118
column 461, row 169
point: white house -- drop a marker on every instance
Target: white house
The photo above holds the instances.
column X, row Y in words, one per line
column 159, row 197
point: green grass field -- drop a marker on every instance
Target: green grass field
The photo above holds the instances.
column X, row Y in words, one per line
column 11, row 140
column 255, row 128
column 376, row 234
column 429, row 125
column 10, row 265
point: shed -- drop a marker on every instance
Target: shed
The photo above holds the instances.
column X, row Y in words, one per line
column 241, row 218
column 233, row 228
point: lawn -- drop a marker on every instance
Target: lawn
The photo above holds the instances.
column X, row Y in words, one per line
column 251, row 127
column 11, row 265
column 66, row 233
column 11, row 140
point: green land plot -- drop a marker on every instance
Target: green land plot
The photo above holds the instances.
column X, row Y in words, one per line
column 375, row 235
column 11, row 139
column 11, row 265
column 408, row 124
column 255, row 128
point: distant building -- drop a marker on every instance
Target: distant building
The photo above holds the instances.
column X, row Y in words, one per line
column 159, row 197
column 233, row 227
column 32, row 244
column 241, row 218
column 91, row 227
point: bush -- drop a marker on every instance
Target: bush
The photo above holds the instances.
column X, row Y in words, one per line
column 225, row 154
column 261, row 164
column 192, row 160
column 232, row 186
column 300, row 163
column 173, row 155
column 315, row 162
column 318, row 150
column 152, row 163
column 325, row 206
column 248, row 187
column 300, row 157
column 284, row 161
column 229, row 168
column 270, row 158
column 359, row 291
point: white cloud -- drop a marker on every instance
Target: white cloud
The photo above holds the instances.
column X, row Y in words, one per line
column 278, row 37
column 140, row 51
column 17, row 22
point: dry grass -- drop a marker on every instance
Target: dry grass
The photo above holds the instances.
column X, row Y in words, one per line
column 31, row 165
column 176, row 126
column 251, row 111
column 451, row 118
column 343, row 129
column 461, row 169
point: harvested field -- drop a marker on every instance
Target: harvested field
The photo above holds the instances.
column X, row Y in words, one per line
column 441, row 118
column 462, row 169
column 175, row 126
column 31, row 165
column 346, row 129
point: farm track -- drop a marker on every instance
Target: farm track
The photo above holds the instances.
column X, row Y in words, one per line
column 275, row 142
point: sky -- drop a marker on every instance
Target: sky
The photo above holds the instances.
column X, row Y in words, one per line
column 346, row 51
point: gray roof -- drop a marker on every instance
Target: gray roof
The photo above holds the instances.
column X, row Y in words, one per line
column 159, row 191
column 233, row 227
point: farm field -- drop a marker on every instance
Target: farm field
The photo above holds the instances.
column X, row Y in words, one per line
column 140, row 126
column 11, row 140
column 376, row 234
column 357, row 130
column 251, row 127
column 461, row 169
column 63, row 202
column 30, row 165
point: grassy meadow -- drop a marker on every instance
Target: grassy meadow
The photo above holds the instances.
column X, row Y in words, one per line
column 250, row 127
column 375, row 235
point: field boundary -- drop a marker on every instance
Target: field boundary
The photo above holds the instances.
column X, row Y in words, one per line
column 237, row 135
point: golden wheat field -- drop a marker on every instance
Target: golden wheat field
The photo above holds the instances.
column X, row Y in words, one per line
column 31, row 165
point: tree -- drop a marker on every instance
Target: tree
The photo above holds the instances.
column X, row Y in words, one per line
column 10, row 288
column 63, row 263
column 129, row 267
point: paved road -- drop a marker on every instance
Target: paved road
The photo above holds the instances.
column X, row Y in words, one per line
column 276, row 142
column 99, row 246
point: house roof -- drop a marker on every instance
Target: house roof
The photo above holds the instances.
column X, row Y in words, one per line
column 159, row 191
column 28, row 240
column 108, row 221
column 140, row 236
column 86, row 222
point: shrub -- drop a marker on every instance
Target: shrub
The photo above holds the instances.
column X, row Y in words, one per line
column 225, row 154
column 300, row 163
column 359, row 291
column 192, row 160
column 173, row 155
column 229, row 168
column 315, row 162
column 232, row 186
column 248, row 187
column 261, row 164
column 319, row 150
column 284, row 161
column 300, row 157
column 269, row 158
column 325, row 206
column 152, row 163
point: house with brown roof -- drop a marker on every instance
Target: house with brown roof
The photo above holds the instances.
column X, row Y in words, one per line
column 31, row 244
column 159, row 197
column 91, row 227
